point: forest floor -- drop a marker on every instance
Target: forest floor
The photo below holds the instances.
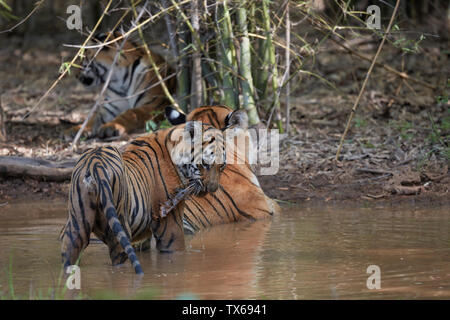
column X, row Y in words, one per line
column 396, row 150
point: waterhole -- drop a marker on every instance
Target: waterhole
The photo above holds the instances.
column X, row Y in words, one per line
column 315, row 252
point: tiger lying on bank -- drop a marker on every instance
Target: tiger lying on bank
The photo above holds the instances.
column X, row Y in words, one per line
column 117, row 196
column 240, row 197
column 132, row 96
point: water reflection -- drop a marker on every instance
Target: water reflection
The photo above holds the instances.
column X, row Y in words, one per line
column 304, row 253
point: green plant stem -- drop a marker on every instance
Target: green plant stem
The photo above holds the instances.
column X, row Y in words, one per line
column 245, row 68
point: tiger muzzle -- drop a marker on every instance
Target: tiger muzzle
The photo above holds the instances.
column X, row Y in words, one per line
column 86, row 80
column 212, row 186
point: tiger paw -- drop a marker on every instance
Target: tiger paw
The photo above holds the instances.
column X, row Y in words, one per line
column 70, row 133
column 111, row 129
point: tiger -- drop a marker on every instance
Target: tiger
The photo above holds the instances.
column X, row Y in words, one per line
column 240, row 196
column 133, row 95
column 117, row 195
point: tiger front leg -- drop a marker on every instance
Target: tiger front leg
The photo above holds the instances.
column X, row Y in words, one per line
column 88, row 132
column 129, row 121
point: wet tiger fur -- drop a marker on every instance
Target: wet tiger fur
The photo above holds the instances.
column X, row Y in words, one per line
column 117, row 195
column 132, row 96
column 240, row 196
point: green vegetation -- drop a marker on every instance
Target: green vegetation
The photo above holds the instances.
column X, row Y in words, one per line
column 5, row 11
column 56, row 292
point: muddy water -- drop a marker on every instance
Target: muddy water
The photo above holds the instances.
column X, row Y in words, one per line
column 305, row 253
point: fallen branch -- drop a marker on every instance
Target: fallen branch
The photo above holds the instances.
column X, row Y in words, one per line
column 180, row 195
column 38, row 169
column 404, row 190
column 375, row 171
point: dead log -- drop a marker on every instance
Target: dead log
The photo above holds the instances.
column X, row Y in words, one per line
column 39, row 169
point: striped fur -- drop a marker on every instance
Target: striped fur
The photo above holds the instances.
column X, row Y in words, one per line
column 240, row 196
column 117, row 196
column 132, row 96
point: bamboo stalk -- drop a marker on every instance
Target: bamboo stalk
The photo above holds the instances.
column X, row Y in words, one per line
column 227, row 54
column 196, row 83
column 365, row 81
column 272, row 64
column 245, row 67
column 183, row 81
column 288, row 66
column 196, row 36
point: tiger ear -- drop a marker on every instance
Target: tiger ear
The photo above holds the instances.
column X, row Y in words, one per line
column 239, row 118
column 174, row 116
column 100, row 36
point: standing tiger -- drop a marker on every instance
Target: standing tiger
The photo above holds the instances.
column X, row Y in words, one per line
column 240, row 197
column 133, row 95
column 117, row 196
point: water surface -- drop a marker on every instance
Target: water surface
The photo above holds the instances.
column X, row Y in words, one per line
column 304, row 253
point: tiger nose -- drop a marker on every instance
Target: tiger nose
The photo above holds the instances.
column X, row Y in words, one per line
column 86, row 80
column 212, row 186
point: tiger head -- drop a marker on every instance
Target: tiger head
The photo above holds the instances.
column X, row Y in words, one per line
column 198, row 152
column 234, row 124
column 98, row 61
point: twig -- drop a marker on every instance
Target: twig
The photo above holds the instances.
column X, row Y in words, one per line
column 37, row 5
column 143, row 23
column 172, row 34
column 376, row 171
column 2, row 123
column 150, row 58
column 402, row 75
column 378, row 196
column 365, row 81
column 277, row 95
column 174, row 200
